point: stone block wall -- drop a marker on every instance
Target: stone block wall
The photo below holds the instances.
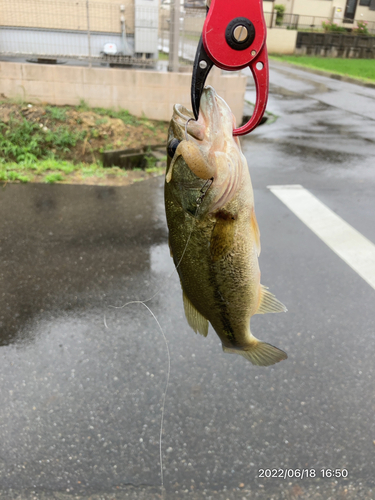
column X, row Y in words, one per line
column 336, row 45
column 148, row 93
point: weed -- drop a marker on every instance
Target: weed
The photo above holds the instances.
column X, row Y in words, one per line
column 155, row 170
column 25, row 141
column 83, row 106
column 57, row 113
column 53, row 164
column 12, row 175
column 95, row 133
column 101, row 121
column 91, row 170
column 122, row 114
column 51, row 178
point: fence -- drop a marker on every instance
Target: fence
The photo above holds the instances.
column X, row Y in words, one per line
column 126, row 33
column 98, row 31
column 190, row 23
column 306, row 23
column 118, row 33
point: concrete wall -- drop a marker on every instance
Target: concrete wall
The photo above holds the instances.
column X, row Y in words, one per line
column 150, row 93
column 281, row 41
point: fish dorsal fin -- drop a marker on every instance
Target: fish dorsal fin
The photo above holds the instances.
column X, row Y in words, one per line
column 268, row 302
column 195, row 319
column 255, row 231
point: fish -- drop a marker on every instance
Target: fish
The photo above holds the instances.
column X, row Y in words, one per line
column 214, row 237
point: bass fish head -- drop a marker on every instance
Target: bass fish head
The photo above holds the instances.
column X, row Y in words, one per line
column 205, row 161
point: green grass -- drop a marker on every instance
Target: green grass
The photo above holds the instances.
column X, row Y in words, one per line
column 51, row 178
column 123, row 114
column 362, row 69
column 52, row 170
column 25, row 142
column 57, row 113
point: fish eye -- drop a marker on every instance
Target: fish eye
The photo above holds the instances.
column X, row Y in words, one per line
column 172, row 146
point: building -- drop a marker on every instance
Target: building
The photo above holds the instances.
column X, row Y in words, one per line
column 343, row 12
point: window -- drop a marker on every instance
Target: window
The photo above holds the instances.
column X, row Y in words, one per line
column 351, row 6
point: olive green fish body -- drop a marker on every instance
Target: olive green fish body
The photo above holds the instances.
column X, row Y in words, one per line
column 213, row 232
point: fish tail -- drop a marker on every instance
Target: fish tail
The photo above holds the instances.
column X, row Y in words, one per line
column 259, row 353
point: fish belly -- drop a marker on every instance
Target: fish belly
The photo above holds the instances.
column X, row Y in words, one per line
column 218, row 268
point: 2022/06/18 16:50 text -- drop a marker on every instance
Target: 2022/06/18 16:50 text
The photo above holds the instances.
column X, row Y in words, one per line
column 303, row 473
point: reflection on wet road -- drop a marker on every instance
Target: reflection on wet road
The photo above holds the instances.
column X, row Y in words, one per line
column 82, row 383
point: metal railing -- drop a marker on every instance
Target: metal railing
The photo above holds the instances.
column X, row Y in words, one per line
column 120, row 33
column 190, row 24
column 308, row 23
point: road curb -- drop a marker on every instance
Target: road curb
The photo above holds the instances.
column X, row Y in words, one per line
column 334, row 76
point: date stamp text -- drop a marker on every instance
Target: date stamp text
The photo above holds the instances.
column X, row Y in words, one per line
column 303, row 473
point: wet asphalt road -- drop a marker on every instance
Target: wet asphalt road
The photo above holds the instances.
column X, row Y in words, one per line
column 82, row 383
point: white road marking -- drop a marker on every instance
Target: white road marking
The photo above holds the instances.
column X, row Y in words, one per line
column 353, row 248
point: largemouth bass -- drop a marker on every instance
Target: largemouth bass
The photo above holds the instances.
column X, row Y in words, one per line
column 213, row 231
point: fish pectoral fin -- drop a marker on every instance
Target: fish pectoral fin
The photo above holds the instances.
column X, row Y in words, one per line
column 255, row 231
column 268, row 302
column 169, row 173
column 260, row 353
column 170, row 248
column 222, row 239
column 195, row 319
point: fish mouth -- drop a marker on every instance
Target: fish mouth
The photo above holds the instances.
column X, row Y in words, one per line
column 215, row 115
column 187, row 124
column 214, row 154
column 215, row 118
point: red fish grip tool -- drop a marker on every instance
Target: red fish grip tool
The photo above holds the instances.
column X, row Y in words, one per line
column 233, row 37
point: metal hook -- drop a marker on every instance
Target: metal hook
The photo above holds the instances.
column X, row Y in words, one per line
column 186, row 125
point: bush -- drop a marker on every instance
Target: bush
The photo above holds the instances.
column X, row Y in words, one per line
column 361, row 28
column 329, row 26
column 280, row 10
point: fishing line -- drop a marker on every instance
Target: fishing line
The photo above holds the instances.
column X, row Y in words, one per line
column 199, row 200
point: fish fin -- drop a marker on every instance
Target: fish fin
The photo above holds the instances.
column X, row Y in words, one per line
column 169, row 174
column 255, row 230
column 170, row 248
column 260, row 353
column 195, row 319
column 222, row 238
column 268, row 302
